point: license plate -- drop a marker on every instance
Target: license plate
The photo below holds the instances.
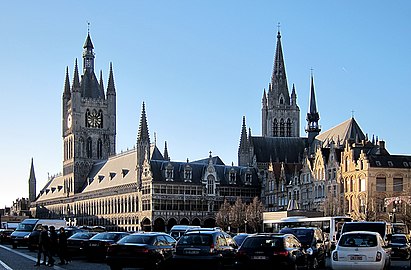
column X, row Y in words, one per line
column 191, row 252
column 259, row 257
column 356, row 258
column 93, row 245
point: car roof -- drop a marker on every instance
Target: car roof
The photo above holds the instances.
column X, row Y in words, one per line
column 362, row 232
column 202, row 232
column 400, row 234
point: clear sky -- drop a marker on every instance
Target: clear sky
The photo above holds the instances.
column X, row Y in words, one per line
column 199, row 66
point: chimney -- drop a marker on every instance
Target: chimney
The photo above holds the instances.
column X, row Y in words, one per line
column 381, row 144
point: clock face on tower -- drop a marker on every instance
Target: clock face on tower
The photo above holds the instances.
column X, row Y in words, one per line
column 69, row 121
column 94, row 119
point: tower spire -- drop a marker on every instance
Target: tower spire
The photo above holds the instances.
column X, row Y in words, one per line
column 166, row 156
column 66, row 92
column 143, row 135
column 313, row 128
column 76, row 81
column 279, row 77
column 111, row 89
column 32, row 183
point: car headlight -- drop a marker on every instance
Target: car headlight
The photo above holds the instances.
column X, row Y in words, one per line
column 309, row 251
column 26, row 236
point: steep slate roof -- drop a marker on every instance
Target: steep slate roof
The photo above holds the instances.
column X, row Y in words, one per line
column 90, row 87
column 390, row 161
column 348, row 130
column 279, row 149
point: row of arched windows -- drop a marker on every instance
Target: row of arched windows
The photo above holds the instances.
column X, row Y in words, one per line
column 68, row 149
column 86, row 148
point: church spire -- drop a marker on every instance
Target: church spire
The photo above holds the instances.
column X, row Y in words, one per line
column 313, row 128
column 101, row 80
column 279, row 77
column 66, row 92
column 244, row 137
column 88, row 55
column 143, row 135
column 32, row 183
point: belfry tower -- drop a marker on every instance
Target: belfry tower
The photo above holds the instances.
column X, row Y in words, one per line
column 280, row 113
column 89, row 121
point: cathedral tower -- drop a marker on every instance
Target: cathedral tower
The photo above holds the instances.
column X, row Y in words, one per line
column 280, row 113
column 89, row 121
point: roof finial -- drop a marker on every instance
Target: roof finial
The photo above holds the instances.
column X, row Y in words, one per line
column 352, row 113
column 278, row 27
column 88, row 27
column 312, row 71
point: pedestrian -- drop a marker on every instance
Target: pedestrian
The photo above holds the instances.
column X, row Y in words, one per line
column 43, row 246
column 62, row 244
column 53, row 245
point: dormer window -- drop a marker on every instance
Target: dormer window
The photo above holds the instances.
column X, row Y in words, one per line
column 232, row 178
column 378, row 163
column 112, row 175
column 100, row 178
column 188, row 174
column 124, row 172
column 390, row 164
column 169, row 172
column 210, row 185
column 248, row 178
column 405, row 164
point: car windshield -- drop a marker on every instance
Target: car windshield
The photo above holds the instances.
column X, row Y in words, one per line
column 399, row 228
column 25, row 227
column 399, row 239
column 267, row 242
column 196, row 239
column 358, row 240
column 106, row 236
column 136, row 239
column 365, row 226
column 304, row 235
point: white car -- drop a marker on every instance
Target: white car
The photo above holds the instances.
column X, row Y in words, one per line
column 361, row 250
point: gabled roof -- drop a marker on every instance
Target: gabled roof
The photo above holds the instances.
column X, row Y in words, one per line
column 279, row 149
column 346, row 131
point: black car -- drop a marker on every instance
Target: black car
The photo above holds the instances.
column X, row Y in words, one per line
column 270, row 250
column 5, row 235
column 400, row 247
column 98, row 244
column 78, row 243
column 239, row 238
column 70, row 230
column 205, row 248
column 148, row 250
column 312, row 241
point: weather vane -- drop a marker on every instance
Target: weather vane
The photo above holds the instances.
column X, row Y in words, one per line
column 88, row 27
column 278, row 27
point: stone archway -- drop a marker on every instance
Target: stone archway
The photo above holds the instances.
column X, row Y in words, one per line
column 146, row 225
column 159, row 225
column 209, row 223
column 196, row 222
column 171, row 222
column 184, row 221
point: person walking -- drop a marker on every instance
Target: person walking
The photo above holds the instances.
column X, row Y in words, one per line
column 43, row 246
column 62, row 247
column 53, row 245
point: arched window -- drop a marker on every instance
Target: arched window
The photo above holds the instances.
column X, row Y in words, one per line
column 81, row 147
column 99, row 149
column 288, row 128
column 210, row 184
column 100, row 114
column 281, row 100
column 381, row 182
column 275, row 128
column 282, row 131
column 89, row 148
column 86, row 118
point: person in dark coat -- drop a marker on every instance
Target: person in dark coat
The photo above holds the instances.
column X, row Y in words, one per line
column 43, row 246
column 62, row 244
column 53, row 246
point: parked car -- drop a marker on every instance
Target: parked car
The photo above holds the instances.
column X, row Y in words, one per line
column 178, row 230
column 361, row 250
column 264, row 250
column 78, row 243
column 28, row 231
column 98, row 244
column 313, row 243
column 71, row 230
column 239, row 238
column 205, row 248
column 400, row 247
column 5, row 235
column 148, row 250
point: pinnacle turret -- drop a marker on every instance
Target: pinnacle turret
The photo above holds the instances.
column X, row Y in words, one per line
column 66, row 92
column 111, row 89
column 76, row 81
column 143, row 135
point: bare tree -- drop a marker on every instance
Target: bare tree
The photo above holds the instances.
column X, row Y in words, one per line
column 223, row 215
column 254, row 214
column 237, row 214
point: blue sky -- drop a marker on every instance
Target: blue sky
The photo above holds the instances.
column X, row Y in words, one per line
column 199, row 66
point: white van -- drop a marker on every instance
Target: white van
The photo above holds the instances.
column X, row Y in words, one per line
column 28, row 231
column 178, row 230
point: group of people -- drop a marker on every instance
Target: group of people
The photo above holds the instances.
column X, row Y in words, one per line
column 52, row 244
